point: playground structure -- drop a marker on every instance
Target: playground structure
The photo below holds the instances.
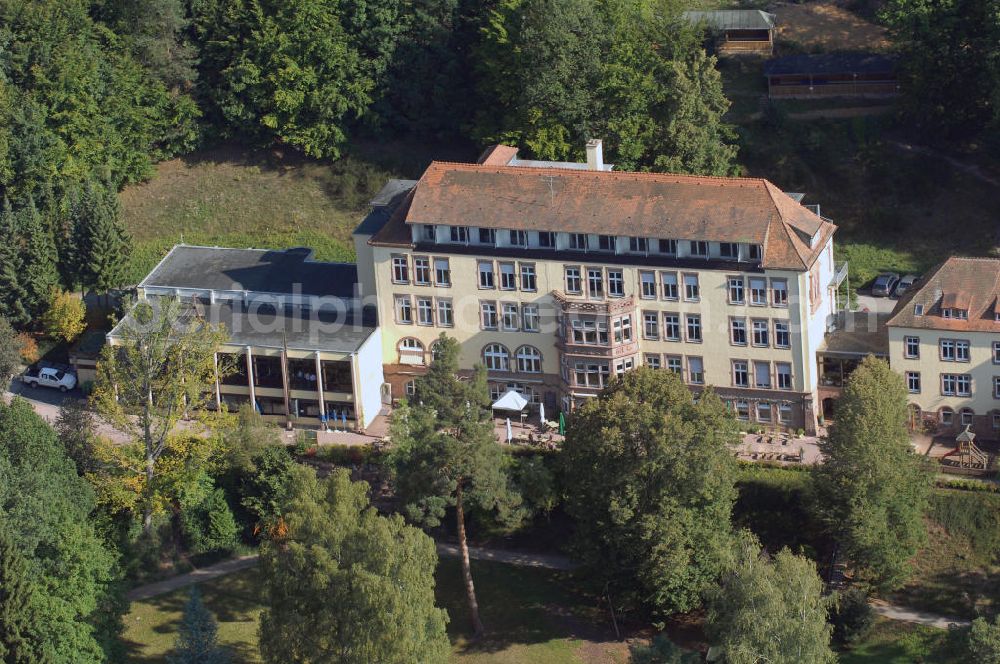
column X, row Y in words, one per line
column 967, row 455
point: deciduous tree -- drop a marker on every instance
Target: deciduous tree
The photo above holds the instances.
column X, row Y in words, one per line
column 20, row 619
column 871, row 489
column 292, row 71
column 48, row 508
column 161, row 369
column 769, row 610
column 984, row 641
column 345, row 584
column 77, row 429
column 65, row 316
column 649, row 481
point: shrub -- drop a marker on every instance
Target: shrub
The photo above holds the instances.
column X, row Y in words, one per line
column 852, row 617
column 209, row 526
column 772, row 503
column 972, row 515
column 346, row 455
column 27, row 347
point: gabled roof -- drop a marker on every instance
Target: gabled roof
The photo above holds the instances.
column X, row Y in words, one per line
column 733, row 19
column 655, row 205
column 972, row 284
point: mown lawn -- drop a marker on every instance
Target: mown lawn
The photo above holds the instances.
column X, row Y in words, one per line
column 151, row 625
column 892, row 642
column 243, row 197
column 532, row 616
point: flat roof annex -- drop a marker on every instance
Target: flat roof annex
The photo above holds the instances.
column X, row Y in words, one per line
column 267, row 327
column 276, row 271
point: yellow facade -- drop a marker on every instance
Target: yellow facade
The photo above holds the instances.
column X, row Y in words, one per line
column 803, row 318
column 940, row 391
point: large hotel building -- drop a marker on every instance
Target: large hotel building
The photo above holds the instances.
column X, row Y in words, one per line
column 557, row 276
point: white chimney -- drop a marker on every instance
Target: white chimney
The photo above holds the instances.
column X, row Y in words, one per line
column 595, row 155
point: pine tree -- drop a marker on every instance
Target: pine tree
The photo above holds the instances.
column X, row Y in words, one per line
column 39, row 276
column 107, row 245
column 18, row 620
column 12, row 293
column 448, row 456
column 197, row 640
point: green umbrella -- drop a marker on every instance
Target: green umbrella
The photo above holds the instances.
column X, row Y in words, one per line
column 562, row 424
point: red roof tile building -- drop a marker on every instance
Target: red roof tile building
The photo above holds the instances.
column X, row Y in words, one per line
column 558, row 276
column 944, row 337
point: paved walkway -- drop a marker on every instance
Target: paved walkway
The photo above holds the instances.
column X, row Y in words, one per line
column 197, row 576
column 521, row 558
column 894, row 612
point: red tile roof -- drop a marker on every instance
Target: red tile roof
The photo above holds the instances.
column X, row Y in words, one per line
column 497, row 155
column 972, row 284
column 654, row 205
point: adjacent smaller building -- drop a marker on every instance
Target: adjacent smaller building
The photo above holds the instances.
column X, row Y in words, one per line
column 303, row 349
column 832, row 75
column 944, row 337
column 738, row 31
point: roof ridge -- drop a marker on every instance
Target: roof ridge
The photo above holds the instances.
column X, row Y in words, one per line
column 586, row 172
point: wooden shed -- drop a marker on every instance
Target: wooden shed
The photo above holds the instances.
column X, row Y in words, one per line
column 831, row 75
column 738, row 31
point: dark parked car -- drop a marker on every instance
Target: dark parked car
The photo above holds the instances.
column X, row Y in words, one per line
column 905, row 284
column 884, row 283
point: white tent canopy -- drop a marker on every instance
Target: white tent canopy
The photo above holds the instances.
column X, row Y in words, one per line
column 511, row 400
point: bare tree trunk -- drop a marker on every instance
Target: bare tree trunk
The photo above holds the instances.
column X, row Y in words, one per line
column 463, row 544
column 147, row 509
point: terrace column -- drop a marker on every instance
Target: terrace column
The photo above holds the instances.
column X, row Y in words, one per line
column 319, row 390
column 253, row 392
column 218, row 392
column 284, row 388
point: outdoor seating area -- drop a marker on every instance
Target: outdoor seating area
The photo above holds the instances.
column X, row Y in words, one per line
column 516, row 422
column 778, row 447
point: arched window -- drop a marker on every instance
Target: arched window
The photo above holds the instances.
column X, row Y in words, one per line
column 411, row 351
column 965, row 416
column 529, row 360
column 947, row 416
column 496, row 358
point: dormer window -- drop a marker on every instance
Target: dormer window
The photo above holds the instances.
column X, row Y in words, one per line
column 547, row 239
column 668, row 247
column 699, row 248
column 961, row 314
column 755, row 252
column 946, row 313
column 578, row 241
column 606, row 242
column 638, row 245
column 460, row 234
column 427, row 232
column 729, row 250
column 487, row 236
column 519, row 238
column 918, row 310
